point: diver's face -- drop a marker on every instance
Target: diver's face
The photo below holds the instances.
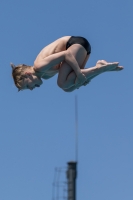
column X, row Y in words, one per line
column 30, row 82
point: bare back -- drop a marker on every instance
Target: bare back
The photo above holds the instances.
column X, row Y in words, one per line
column 55, row 47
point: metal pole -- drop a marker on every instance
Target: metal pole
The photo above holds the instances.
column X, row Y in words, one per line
column 71, row 176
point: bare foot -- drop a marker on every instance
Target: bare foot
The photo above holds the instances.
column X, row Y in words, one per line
column 105, row 66
column 119, row 68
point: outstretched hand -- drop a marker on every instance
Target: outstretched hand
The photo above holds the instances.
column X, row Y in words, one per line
column 80, row 80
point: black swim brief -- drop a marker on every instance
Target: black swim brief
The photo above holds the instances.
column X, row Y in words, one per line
column 79, row 40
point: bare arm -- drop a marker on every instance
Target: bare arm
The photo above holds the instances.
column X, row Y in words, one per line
column 43, row 65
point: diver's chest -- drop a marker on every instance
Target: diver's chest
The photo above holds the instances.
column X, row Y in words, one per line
column 54, row 69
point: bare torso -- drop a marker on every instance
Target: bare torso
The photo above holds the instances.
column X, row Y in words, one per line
column 55, row 47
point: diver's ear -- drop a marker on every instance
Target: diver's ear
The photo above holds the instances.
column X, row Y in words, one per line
column 12, row 66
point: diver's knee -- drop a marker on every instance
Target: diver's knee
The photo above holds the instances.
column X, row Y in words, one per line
column 67, row 90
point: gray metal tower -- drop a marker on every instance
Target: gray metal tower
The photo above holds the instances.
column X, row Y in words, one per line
column 71, row 180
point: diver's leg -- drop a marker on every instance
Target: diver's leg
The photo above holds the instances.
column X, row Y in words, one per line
column 65, row 70
column 67, row 77
column 101, row 66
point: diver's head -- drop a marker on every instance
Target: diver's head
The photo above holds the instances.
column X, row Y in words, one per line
column 25, row 77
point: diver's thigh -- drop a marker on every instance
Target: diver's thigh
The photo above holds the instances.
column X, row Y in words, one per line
column 79, row 52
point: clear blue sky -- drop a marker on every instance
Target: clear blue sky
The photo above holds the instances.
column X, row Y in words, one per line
column 37, row 128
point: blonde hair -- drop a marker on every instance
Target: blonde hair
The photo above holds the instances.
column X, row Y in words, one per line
column 18, row 74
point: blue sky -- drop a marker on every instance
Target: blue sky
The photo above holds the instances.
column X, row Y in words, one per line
column 37, row 128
